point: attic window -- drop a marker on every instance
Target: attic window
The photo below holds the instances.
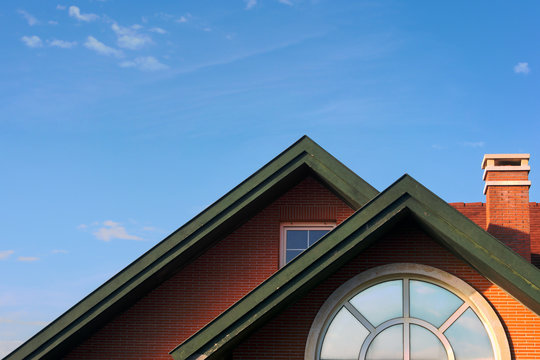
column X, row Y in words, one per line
column 297, row 237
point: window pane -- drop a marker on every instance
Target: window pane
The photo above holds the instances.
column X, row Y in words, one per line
column 380, row 302
column 425, row 345
column 291, row 254
column 432, row 303
column 344, row 337
column 469, row 338
column 315, row 235
column 297, row 239
column 388, row 345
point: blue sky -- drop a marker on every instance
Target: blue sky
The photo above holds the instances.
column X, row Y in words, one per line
column 119, row 121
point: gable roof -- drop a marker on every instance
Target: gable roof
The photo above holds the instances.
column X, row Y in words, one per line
column 406, row 197
column 284, row 171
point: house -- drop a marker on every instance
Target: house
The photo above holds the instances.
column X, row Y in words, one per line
column 305, row 260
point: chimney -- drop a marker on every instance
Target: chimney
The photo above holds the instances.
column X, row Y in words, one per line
column 507, row 200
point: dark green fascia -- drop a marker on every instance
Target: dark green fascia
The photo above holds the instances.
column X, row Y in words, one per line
column 302, row 158
column 405, row 197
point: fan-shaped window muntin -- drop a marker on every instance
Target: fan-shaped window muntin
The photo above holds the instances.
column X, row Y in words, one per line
column 407, row 316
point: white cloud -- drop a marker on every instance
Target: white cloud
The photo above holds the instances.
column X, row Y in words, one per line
column 4, row 254
column 27, row 258
column 94, row 44
column 128, row 38
column 75, row 12
column 32, row 41
column 82, row 226
column 250, row 3
column 60, row 7
column 62, row 44
column 113, row 230
column 28, row 17
column 52, row 22
column 158, row 30
column 522, row 68
column 182, row 19
column 145, row 63
column 286, row 2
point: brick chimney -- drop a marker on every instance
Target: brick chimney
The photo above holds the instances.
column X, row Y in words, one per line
column 507, row 200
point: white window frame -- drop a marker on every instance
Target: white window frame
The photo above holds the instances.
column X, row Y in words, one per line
column 322, row 225
column 467, row 293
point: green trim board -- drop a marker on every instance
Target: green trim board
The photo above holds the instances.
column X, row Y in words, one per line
column 405, row 198
column 304, row 157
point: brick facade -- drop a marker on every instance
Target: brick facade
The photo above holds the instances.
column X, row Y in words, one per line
column 227, row 271
column 211, row 283
column 284, row 337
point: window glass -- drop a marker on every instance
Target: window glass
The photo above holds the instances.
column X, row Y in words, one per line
column 432, row 303
column 469, row 338
column 297, row 238
column 425, row 345
column 388, row 345
column 380, row 302
column 344, row 337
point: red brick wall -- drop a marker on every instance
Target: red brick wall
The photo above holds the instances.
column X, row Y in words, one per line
column 534, row 211
column 211, row 283
column 507, row 213
column 284, row 337
column 474, row 211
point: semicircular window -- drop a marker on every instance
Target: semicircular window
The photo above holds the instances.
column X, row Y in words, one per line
column 405, row 318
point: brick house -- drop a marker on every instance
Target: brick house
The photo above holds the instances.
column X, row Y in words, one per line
column 305, row 260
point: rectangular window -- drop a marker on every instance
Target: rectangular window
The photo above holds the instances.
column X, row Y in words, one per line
column 297, row 237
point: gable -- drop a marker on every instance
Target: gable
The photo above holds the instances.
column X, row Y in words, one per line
column 285, row 335
column 303, row 158
column 405, row 198
column 212, row 282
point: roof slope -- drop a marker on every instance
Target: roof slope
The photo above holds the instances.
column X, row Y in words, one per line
column 404, row 198
column 288, row 168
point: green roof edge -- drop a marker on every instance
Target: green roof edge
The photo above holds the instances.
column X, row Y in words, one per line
column 303, row 153
column 406, row 196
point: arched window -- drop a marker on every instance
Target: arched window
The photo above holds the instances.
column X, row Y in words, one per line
column 406, row 312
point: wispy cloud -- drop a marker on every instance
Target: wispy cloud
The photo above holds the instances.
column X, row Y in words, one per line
column 145, row 63
column 75, row 12
column 474, row 144
column 250, row 4
column 59, row 251
column 32, row 41
column 113, row 230
column 30, row 19
column 182, row 19
column 158, row 30
column 286, row 2
column 60, row 7
column 27, row 258
column 62, row 44
column 94, row 44
column 522, row 68
column 52, row 22
column 4, row 254
column 129, row 38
